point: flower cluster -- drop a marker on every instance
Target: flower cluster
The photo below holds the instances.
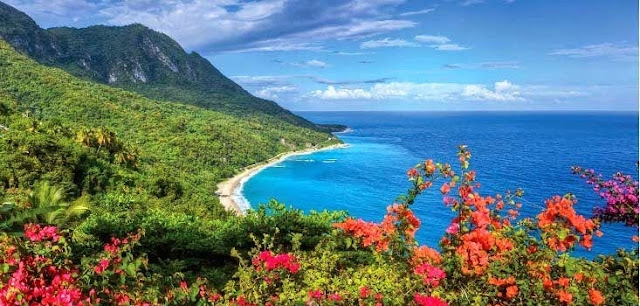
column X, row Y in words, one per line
column 272, row 262
column 425, row 300
column 562, row 226
column 425, row 254
column 36, row 232
column 372, row 234
column 431, row 276
column 620, row 194
column 37, row 277
column 507, row 285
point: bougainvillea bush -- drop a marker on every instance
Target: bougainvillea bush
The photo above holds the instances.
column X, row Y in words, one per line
column 487, row 256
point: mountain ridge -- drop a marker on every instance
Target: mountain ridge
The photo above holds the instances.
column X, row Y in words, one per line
column 138, row 59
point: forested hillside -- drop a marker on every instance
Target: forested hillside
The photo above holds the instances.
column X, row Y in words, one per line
column 138, row 59
column 56, row 121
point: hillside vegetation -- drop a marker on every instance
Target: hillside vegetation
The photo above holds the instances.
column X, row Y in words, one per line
column 141, row 60
column 181, row 151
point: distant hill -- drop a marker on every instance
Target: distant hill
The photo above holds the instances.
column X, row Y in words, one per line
column 138, row 59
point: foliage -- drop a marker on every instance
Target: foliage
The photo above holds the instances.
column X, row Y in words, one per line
column 46, row 205
column 486, row 256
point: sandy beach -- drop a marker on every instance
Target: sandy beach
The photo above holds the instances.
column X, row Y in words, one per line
column 230, row 191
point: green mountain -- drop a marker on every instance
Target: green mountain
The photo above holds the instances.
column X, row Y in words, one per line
column 94, row 139
column 138, row 59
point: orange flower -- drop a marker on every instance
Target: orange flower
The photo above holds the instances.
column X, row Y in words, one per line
column 425, row 185
column 474, row 251
column 563, row 281
column 429, row 167
column 586, row 242
column 596, row 297
column 560, row 217
column 565, row 297
column 512, row 291
column 470, row 176
column 445, row 188
column 579, row 277
column 371, row 233
column 513, row 213
column 425, row 254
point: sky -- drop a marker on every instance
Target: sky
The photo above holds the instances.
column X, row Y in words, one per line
column 396, row 54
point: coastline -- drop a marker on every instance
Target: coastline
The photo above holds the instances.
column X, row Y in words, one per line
column 230, row 191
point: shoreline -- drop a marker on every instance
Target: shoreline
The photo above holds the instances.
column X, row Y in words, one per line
column 230, row 191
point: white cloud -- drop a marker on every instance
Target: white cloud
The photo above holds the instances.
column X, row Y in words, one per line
column 274, row 92
column 352, row 53
column 420, row 12
column 441, row 43
column 501, row 91
column 449, row 47
column 604, row 50
column 471, row 2
column 267, row 25
column 432, row 39
column 387, row 42
column 500, row 65
column 312, row 63
column 331, row 93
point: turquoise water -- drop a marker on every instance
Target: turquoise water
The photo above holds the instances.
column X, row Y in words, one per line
column 533, row 151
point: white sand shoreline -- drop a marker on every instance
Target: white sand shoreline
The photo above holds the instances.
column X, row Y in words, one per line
column 230, row 191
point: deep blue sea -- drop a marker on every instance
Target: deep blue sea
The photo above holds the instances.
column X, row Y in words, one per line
column 529, row 150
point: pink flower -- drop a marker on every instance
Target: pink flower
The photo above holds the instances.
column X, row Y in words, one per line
column 430, row 274
column 454, row 228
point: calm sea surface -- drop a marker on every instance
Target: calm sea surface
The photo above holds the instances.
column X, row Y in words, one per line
column 532, row 151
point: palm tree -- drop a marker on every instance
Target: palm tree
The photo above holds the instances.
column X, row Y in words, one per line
column 48, row 206
column 85, row 137
column 128, row 156
column 104, row 138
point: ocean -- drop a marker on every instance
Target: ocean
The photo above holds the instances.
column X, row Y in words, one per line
column 529, row 150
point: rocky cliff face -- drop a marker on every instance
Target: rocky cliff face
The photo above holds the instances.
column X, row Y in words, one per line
column 18, row 29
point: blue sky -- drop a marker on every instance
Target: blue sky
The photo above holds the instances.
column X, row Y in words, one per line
column 397, row 54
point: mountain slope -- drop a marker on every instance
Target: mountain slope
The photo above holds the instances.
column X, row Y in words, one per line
column 183, row 150
column 18, row 29
column 138, row 59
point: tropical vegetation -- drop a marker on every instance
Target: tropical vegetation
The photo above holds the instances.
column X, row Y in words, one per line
column 107, row 196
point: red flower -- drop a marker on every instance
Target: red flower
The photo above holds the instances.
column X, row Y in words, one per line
column 364, row 292
column 281, row 261
column 334, row 297
column 316, row 294
column 425, row 300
